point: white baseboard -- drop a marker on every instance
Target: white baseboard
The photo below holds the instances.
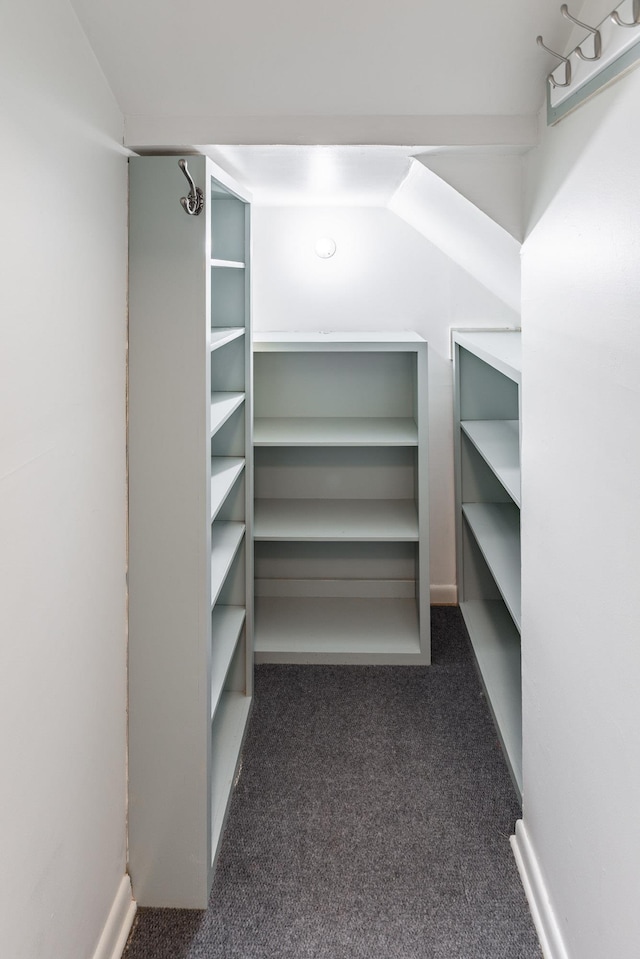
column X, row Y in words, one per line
column 444, row 595
column 544, row 918
column 118, row 925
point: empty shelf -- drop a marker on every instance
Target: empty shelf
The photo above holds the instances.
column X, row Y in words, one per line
column 325, row 520
column 221, row 336
column 224, row 472
column 496, row 645
column 334, row 431
column 226, row 627
column 227, row 735
column 225, row 540
column 222, row 406
column 498, row 442
column 496, row 527
column 334, row 629
column 228, row 264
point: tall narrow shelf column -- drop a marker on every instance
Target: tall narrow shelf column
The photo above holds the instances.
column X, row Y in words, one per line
column 341, row 511
column 191, row 508
column 487, row 369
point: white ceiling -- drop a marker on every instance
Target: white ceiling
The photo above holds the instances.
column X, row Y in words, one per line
column 297, row 58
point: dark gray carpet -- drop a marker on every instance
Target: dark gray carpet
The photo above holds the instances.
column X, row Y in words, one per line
column 371, row 821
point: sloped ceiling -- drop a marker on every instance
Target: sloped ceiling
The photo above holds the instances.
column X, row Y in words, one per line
column 198, row 68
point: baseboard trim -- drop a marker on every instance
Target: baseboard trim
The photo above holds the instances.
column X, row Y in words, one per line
column 443, row 595
column 544, row 918
column 118, row 925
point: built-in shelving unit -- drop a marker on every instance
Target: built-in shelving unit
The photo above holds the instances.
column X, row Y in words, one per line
column 341, row 509
column 191, row 509
column 487, row 453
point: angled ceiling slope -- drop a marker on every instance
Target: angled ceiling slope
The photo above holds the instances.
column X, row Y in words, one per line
column 460, row 230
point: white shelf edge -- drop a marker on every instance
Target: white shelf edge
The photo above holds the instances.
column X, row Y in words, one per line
column 223, row 405
column 501, row 350
column 227, row 264
column 224, row 472
column 220, row 336
column 334, row 431
column 496, row 647
column 228, row 730
column 301, row 340
column 335, row 520
column 496, row 529
column 498, row 442
column 226, row 628
column 225, row 542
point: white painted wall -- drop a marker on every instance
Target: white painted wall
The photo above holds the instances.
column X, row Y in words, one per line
column 383, row 276
column 62, row 487
column 581, row 522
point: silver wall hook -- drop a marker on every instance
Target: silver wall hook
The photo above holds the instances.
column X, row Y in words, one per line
column 615, row 16
column 194, row 203
column 565, row 60
column 597, row 37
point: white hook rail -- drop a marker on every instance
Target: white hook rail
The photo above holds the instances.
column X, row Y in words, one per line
column 605, row 52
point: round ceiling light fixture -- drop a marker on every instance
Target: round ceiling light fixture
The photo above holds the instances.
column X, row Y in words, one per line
column 325, row 247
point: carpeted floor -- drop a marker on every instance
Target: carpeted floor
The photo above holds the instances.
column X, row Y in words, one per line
column 371, row 821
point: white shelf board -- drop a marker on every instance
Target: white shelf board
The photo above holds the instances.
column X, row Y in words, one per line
column 226, row 627
column 501, row 350
column 334, row 431
column 225, row 540
column 222, row 406
column 496, row 527
column 224, row 472
column 336, row 629
column 220, row 336
column 228, row 264
column 300, row 340
column 329, row 520
column 498, row 442
column 496, row 644
column 227, row 735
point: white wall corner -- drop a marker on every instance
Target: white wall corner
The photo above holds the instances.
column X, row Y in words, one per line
column 544, row 918
column 461, row 231
column 443, row 595
column 118, row 925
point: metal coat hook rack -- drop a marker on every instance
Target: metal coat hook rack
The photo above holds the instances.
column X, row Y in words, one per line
column 610, row 52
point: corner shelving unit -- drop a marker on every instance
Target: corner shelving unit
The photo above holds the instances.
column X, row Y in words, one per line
column 341, row 510
column 487, row 373
column 191, row 507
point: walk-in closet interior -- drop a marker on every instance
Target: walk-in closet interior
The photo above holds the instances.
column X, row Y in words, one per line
column 318, row 480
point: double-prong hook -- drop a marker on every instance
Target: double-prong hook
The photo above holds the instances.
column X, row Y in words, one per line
column 597, row 37
column 194, row 203
column 615, row 16
column 565, row 60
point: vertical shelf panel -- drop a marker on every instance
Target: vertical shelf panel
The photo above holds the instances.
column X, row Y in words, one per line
column 181, row 477
column 487, row 465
